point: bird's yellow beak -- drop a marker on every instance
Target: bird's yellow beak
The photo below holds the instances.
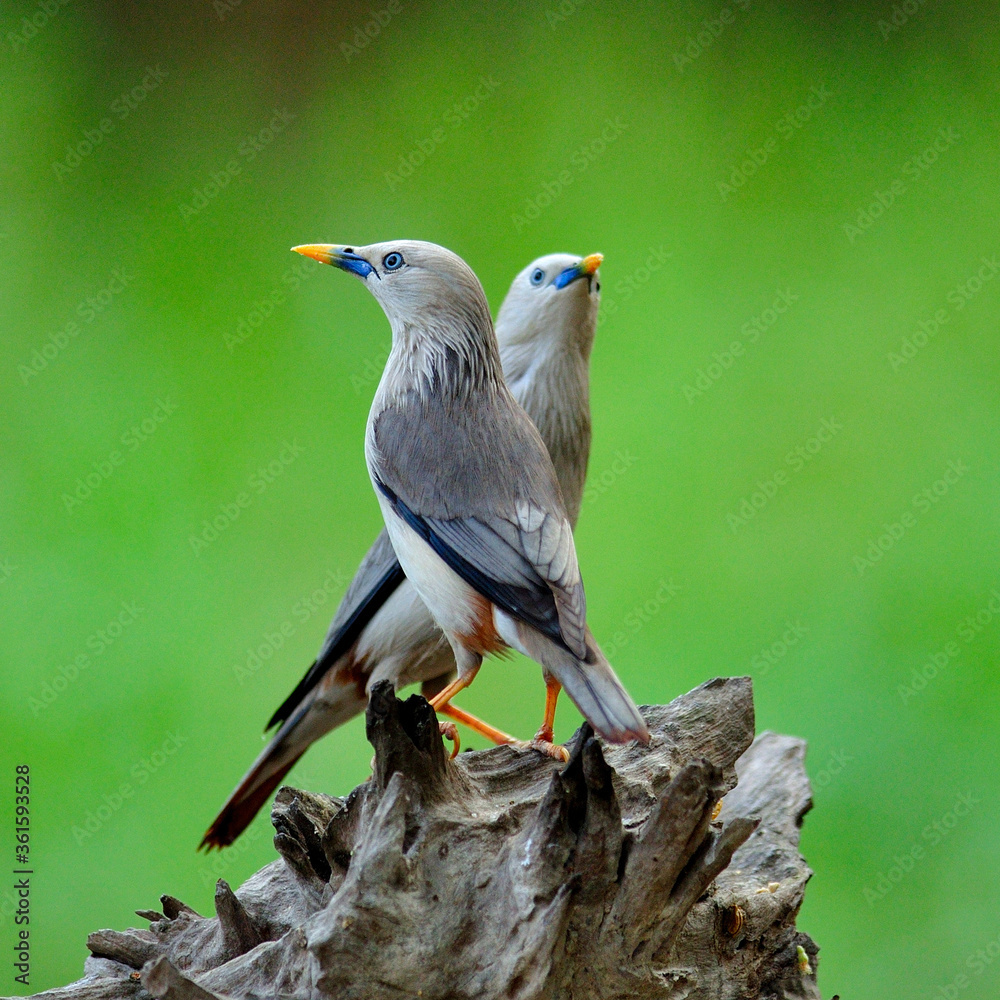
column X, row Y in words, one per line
column 585, row 269
column 343, row 257
column 323, row 252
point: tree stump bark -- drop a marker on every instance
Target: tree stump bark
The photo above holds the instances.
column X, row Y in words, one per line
column 504, row 874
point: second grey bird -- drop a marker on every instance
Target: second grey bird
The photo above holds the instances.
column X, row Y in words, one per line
column 382, row 630
column 468, row 491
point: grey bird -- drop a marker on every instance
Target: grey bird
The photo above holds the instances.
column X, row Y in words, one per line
column 468, row 491
column 382, row 630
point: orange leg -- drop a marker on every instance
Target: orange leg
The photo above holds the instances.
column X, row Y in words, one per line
column 440, row 703
column 491, row 733
column 446, row 694
column 552, row 689
column 543, row 738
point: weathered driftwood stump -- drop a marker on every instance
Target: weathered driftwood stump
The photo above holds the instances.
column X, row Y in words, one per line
column 503, row 874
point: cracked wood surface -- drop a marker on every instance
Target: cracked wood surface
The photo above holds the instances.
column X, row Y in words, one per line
column 505, row 874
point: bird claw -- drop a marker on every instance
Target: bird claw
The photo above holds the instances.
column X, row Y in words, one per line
column 543, row 744
column 554, row 750
column 540, row 743
column 544, row 735
column 450, row 732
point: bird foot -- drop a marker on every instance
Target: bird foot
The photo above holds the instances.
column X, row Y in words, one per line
column 554, row 750
column 450, row 732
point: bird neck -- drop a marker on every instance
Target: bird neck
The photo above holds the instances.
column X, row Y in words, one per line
column 553, row 386
column 454, row 356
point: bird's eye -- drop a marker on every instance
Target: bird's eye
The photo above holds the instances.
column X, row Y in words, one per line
column 537, row 276
column 392, row 261
column 597, row 286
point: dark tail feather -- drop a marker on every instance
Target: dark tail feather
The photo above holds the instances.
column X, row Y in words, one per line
column 292, row 702
column 245, row 802
column 340, row 641
column 313, row 719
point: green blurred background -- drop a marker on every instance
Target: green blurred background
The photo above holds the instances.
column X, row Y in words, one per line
column 594, row 128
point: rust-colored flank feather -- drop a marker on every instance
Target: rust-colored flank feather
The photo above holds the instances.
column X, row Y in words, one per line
column 483, row 638
column 354, row 671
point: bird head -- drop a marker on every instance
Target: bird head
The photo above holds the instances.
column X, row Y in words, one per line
column 414, row 282
column 552, row 302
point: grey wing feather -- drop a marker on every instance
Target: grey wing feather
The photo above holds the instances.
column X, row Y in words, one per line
column 470, row 457
column 535, row 554
column 476, row 472
column 492, row 548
